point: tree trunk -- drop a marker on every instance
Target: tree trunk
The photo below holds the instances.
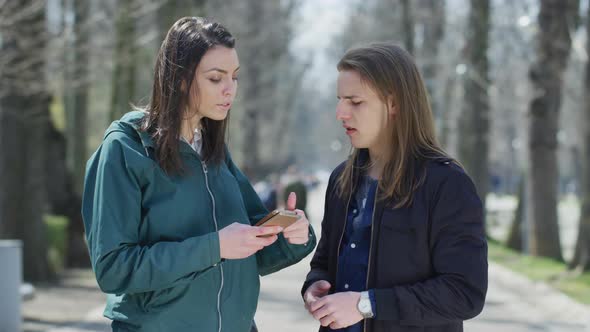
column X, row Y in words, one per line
column 434, row 24
column 265, row 99
column 62, row 197
column 514, row 240
column 287, row 137
column 252, row 110
column 556, row 18
column 263, row 31
column 77, row 109
column 172, row 10
column 474, row 121
column 451, row 87
column 408, row 28
column 24, row 105
column 125, row 57
column 581, row 258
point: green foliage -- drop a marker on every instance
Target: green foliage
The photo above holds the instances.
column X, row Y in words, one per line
column 554, row 273
column 56, row 237
column 57, row 113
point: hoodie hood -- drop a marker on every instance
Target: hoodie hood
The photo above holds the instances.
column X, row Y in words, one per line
column 130, row 123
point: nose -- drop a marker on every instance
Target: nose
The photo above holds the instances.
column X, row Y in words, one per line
column 342, row 112
column 229, row 90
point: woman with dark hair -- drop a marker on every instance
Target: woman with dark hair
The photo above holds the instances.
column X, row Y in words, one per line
column 403, row 246
column 168, row 215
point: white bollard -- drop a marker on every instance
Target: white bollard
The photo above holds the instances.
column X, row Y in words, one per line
column 10, row 281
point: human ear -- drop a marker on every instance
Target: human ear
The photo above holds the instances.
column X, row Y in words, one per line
column 392, row 107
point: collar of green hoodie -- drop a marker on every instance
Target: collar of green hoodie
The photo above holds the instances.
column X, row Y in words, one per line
column 130, row 124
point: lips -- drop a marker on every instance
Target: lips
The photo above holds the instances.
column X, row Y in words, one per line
column 349, row 130
column 224, row 105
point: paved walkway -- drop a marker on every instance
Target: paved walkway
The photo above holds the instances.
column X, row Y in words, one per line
column 514, row 304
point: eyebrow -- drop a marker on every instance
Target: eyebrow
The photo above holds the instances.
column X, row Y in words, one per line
column 221, row 70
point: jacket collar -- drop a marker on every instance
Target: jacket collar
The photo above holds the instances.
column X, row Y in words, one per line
column 131, row 124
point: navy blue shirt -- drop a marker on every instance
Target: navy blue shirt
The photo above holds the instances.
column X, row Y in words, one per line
column 354, row 251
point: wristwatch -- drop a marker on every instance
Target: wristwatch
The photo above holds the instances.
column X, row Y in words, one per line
column 364, row 305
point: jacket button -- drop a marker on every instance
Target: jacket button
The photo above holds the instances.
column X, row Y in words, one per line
column 346, row 286
column 353, row 246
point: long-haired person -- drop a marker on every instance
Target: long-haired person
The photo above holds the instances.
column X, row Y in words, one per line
column 168, row 215
column 402, row 246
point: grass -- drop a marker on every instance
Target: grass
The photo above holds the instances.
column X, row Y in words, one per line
column 556, row 274
column 56, row 237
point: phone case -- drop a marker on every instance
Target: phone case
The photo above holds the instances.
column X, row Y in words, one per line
column 283, row 218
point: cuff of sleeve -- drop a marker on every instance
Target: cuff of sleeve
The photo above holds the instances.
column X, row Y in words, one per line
column 198, row 253
column 204, row 251
column 299, row 251
column 373, row 302
column 387, row 304
column 215, row 248
column 311, row 241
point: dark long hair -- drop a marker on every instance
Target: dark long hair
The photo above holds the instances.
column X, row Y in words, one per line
column 391, row 72
column 180, row 54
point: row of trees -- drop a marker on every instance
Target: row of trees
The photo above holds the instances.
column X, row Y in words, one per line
column 68, row 68
column 465, row 118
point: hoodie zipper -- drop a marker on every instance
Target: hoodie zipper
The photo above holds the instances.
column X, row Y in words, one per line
column 204, row 165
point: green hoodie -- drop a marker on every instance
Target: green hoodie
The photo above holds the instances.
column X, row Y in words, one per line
column 153, row 238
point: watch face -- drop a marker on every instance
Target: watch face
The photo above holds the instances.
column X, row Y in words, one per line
column 365, row 306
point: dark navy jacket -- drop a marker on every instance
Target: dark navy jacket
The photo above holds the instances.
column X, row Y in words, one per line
column 429, row 265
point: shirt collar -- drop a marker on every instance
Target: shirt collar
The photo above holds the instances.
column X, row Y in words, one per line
column 197, row 143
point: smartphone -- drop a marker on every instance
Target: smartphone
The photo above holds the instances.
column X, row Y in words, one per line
column 283, row 218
